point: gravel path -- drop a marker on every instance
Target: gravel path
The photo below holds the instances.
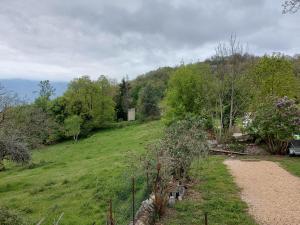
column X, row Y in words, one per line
column 272, row 194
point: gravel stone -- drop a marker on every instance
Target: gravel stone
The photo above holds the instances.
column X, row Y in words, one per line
column 272, row 193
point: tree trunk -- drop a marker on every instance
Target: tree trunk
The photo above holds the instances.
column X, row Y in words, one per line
column 76, row 137
column 2, row 167
column 221, row 117
column 231, row 107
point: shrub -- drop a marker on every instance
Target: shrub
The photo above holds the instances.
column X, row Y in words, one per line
column 182, row 142
column 275, row 122
column 13, row 148
column 72, row 126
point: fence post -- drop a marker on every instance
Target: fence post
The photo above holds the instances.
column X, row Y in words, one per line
column 110, row 213
column 133, row 202
column 147, row 179
column 205, row 218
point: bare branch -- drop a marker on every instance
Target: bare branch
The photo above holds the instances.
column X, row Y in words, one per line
column 291, row 6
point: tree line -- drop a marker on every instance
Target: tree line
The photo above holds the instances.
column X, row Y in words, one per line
column 221, row 90
column 231, row 84
column 87, row 105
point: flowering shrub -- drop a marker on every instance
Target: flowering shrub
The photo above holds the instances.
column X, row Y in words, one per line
column 275, row 122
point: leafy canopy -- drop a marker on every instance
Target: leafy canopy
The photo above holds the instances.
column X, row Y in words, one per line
column 190, row 91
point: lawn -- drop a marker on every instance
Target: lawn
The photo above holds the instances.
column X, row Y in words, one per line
column 78, row 179
column 220, row 198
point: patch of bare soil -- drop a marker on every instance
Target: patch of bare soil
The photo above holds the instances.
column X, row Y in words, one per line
column 272, row 194
column 253, row 149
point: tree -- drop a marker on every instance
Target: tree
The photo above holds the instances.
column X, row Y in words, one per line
column 37, row 126
column 273, row 76
column 148, row 103
column 92, row 101
column 103, row 112
column 229, row 61
column 72, row 126
column 12, row 146
column 58, row 109
column 296, row 65
column 275, row 122
column 45, row 92
column 123, row 100
column 191, row 90
column 290, row 6
column 12, row 141
column 46, row 89
column 158, row 78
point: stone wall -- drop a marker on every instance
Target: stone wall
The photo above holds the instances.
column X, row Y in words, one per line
column 146, row 213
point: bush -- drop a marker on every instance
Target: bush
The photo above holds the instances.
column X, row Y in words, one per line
column 172, row 157
column 13, row 148
column 183, row 141
column 72, row 126
column 275, row 122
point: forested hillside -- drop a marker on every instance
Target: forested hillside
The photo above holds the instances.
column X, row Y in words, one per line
column 221, row 90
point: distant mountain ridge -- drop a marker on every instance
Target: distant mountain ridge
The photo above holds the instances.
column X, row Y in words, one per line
column 27, row 90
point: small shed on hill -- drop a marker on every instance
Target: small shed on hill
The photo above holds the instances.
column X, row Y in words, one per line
column 131, row 114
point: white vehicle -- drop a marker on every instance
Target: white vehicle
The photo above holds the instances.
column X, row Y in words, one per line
column 294, row 148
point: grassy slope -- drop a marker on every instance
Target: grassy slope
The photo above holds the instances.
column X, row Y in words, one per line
column 220, row 198
column 77, row 178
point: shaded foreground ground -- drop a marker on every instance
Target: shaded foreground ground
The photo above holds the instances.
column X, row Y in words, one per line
column 78, row 179
column 272, row 193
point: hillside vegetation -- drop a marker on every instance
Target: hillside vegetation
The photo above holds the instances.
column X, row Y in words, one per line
column 78, row 179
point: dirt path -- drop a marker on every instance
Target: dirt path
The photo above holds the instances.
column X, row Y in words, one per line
column 272, row 194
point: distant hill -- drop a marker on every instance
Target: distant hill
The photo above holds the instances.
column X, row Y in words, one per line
column 28, row 89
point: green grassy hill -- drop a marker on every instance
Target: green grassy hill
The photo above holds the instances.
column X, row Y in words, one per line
column 77, row 179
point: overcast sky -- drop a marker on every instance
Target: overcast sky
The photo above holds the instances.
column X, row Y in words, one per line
column 63, row 39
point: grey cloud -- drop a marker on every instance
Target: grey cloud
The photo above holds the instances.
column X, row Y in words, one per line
column 63, row 39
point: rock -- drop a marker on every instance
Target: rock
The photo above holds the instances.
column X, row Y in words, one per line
column 181, row 190
column 171, row 201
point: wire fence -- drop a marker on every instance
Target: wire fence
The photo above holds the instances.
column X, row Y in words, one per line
column 125, row 202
